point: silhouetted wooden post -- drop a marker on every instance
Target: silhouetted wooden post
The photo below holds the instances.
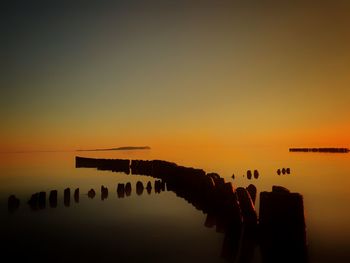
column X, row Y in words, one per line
column 139, row 188
column 231, row 204
column 157, row 186
column 34, row 201
column 53, row 198
column 247, row 207
column 128, row 189
column 91, row 193
column 149, row 187
column 249, row 174
column 252, row 192
column 76, row 195
column 13, row 203
column 104, row 193
column 66, row 197
column 42, row 200
column 282, row 224
column 120, row 190
column 162, row 185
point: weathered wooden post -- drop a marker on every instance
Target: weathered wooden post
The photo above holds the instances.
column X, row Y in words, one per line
column 76, row 195
column 91, row 193
column 104, row 193
column 282, row 225
column 247, row 207
column 13, row 203
column 249, row 174
column 252, row 192
column 42, row 200
column 139, row 188
column 66, row 197
column 149, row 187
column 34, row 201
column 53, row 198
column 120, row 190
column 128, row 189
column 256, row 174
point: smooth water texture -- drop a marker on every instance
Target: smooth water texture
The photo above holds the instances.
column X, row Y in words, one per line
column 161, row 227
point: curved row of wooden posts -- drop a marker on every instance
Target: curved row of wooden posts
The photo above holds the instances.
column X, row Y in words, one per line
column 279, row 229
column 38, row 200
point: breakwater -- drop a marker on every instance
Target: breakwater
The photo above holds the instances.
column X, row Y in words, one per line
column 322, row 150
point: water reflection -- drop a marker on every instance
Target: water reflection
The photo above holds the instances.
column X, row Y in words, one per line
column 279, row 233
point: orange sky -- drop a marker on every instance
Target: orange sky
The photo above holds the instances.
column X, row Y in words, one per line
column 187, row 76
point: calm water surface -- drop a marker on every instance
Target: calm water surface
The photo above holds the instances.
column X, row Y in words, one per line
column 161, row 227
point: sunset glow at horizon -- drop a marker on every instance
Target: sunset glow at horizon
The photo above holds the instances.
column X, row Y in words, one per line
column 183, row 75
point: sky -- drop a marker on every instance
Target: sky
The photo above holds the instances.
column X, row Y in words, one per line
column 92, row 74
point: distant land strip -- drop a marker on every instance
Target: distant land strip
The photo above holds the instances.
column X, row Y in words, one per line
column 325, row 150
column 125, row 148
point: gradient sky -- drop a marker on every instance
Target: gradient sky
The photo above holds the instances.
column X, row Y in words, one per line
column 177, row 73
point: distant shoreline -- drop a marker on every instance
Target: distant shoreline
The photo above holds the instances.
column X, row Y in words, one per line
column 324, row 150
column 125, row 148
